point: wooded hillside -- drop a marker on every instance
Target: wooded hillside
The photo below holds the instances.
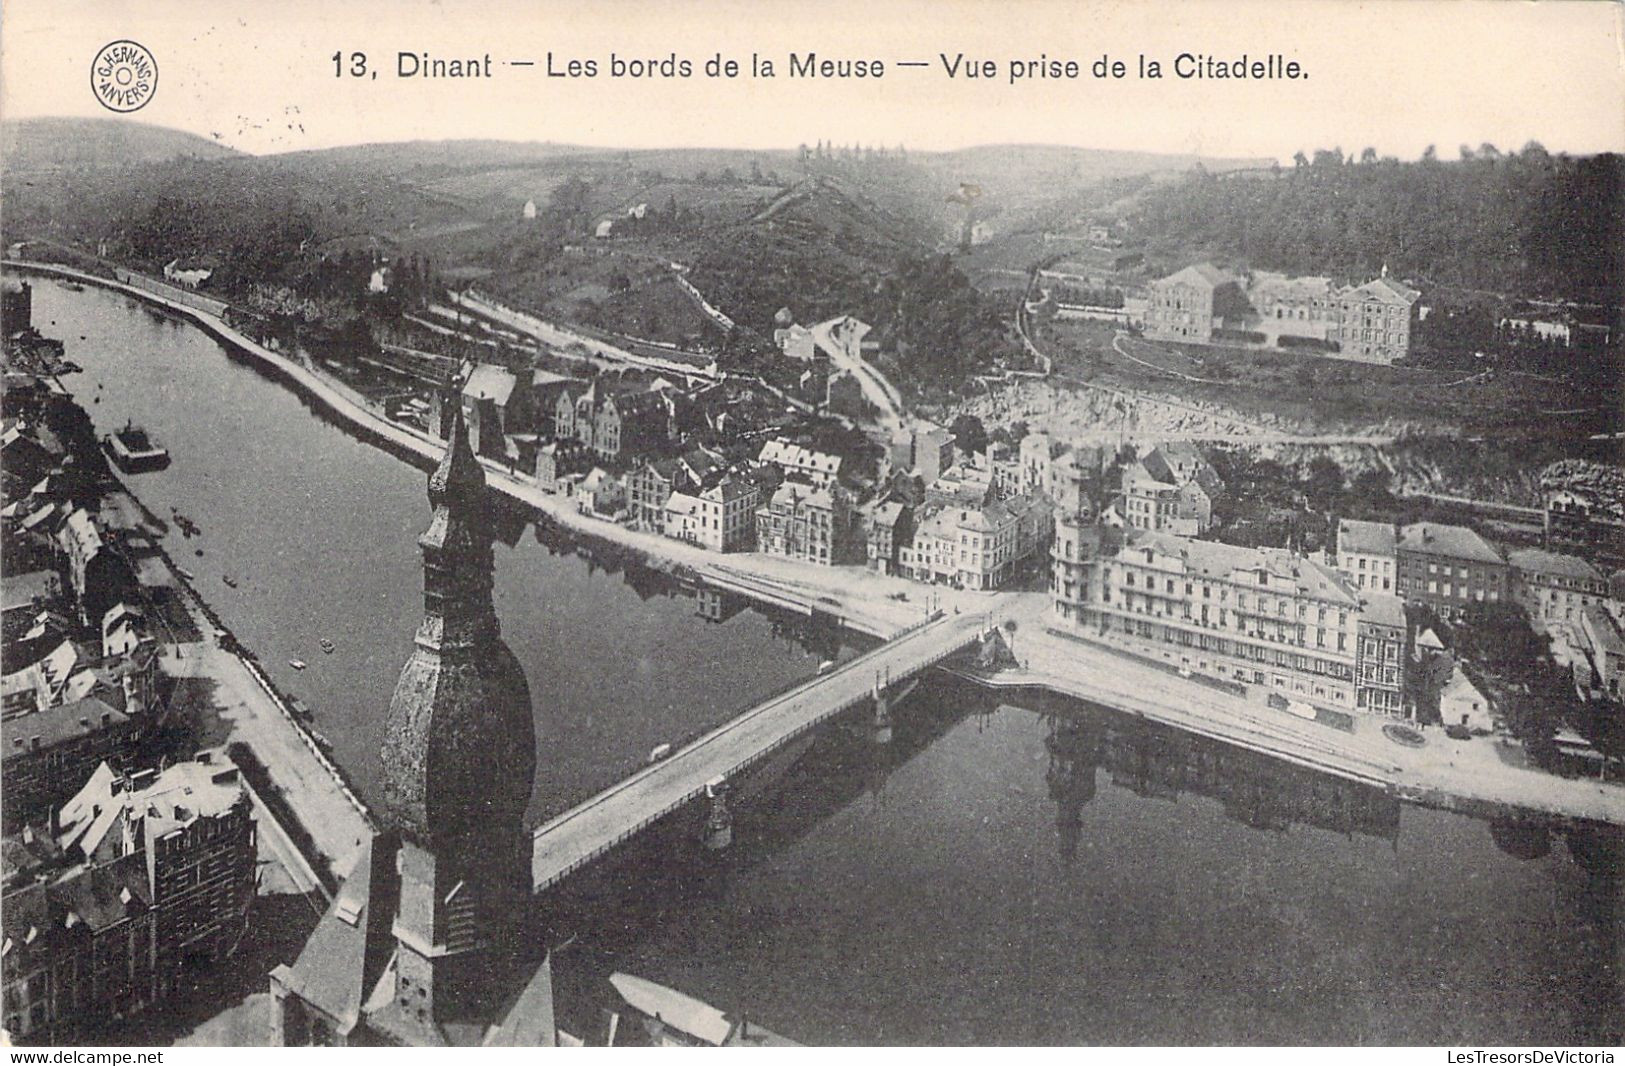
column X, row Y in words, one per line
column 1529, row 223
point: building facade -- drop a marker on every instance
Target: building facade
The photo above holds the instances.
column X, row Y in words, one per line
column 1260, row 616
column 137, row 880
column 1367, row 554
column 806, row 522
column 1445, row 568
column 1554, row 587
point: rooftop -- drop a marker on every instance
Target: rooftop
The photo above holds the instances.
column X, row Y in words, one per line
column 1365, row 538
column 1457, row 542
column 1555, row 564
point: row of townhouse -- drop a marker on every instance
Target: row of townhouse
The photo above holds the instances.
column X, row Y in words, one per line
column 1202, row 304
column 1442, row 567
column 134, row 880
column 1260, row 616
column 1446, row 568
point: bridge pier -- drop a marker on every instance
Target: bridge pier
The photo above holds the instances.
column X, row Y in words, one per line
column 882, row 723
column 719, row 822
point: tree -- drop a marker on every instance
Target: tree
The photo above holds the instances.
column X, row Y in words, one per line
column 1371, row 485
column 969, row 434
column 1368, row 156
column 1324, row 485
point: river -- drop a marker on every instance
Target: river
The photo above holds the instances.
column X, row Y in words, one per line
column 1039, row 872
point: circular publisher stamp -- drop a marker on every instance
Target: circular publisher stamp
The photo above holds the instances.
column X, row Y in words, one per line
column 123, row 76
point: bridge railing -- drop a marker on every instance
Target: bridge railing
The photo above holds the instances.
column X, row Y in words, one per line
column 741, row 764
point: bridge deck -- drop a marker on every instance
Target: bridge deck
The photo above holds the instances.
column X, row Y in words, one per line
column 591, row 828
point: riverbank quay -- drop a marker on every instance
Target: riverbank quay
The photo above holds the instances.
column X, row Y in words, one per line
column 1438, row 775
column 871, row 603
column 1468, row 776
column 313, row 819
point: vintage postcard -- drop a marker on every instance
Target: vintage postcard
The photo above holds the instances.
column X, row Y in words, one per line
column 861, row 523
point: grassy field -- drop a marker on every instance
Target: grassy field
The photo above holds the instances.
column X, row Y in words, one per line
column 1328, row 395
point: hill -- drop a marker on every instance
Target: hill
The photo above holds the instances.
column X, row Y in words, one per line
column 43, row 144
column 1528, row 223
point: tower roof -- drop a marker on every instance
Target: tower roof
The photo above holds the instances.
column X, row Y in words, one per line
column 459, row 480
column 459, row 740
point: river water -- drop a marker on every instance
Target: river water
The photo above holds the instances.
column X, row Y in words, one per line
column 1024, row 872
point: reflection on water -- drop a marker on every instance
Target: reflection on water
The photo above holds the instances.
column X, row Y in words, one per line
column 1068, row 874
column 319, row 533
column 1051, row 873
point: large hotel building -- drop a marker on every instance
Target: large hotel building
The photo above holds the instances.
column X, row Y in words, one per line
column 1260, row 616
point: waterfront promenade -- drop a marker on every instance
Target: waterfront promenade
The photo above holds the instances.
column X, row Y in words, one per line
column 1441, row 773
column 1465, row 775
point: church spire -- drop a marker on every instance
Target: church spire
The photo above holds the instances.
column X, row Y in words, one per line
column 459, row 743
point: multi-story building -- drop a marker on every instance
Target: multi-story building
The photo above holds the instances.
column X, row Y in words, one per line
column 1553, row 587
column 1366, row 554
column 1445, row 568
column 794, row 460
column 49, row 751
column 727, row 514
column 1189, row 305
column 1200, row 304
column 618, row 421
column 1379, row 660
column 804, row 521
column 1171, row 490
column 136, row 880
column 1261, row 616
column 890, row 525
column 1375, row 320
column 650, row 486
column 977, row 547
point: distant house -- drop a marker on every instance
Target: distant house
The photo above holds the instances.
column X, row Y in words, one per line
column 381, row 280
column 1603, row 647
column 560, row 459
column 600, row 493
column 529, row 209
column 1460, row 703
column 486, row 398
column 819, row 468
column 604, row 229
column 796, row 342
column 1171, row 490
column 681, row 517
column 188, row 274
column 889, row 527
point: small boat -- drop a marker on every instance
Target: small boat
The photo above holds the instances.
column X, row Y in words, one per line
column 327, row 645
column 199, row 553
column 229, row 580
column 298, row 664
column 133, row 450
column 73, row 286
column 187, row 574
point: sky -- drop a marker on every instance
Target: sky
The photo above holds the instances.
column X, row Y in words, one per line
column 1396, row 75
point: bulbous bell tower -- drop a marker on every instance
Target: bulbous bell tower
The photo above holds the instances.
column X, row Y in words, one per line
column 459, row 764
